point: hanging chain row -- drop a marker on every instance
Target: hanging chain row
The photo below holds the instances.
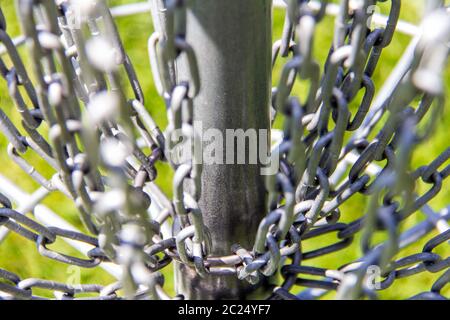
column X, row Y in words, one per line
column 79, row 98
column 313, row 159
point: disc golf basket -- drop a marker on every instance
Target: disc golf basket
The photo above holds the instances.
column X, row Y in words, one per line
column 339, row 170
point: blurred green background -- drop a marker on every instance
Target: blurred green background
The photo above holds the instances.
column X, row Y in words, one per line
column 21, row 257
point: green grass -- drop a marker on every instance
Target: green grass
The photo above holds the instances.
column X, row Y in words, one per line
column 20, row 256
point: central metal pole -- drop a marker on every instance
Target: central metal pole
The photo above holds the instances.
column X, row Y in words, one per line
column 232, row 42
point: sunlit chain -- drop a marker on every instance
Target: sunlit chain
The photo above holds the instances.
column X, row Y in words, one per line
column 81, row 76
column 348, row 70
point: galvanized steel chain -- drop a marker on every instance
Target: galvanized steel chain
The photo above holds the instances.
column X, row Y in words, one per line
column 352, row 61
column 327, row 155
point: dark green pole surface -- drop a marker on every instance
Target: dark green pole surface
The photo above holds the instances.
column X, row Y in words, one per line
column 232, row 42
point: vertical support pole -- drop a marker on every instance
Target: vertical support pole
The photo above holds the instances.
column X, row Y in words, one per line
column 232, row 42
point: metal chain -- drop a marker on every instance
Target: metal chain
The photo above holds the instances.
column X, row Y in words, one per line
column 81, row 76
